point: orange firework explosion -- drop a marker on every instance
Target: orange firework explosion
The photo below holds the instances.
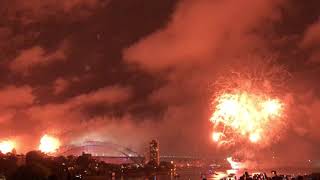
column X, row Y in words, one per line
column 247, row 110
column 49, row 144
column 244, row 114
column 246, row 104
column 6, row 146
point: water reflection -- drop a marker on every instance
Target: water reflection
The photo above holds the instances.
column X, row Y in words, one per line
column 186, row 174
column 194, row 174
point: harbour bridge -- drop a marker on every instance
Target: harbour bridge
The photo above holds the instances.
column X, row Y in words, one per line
column 104, row 151
column 112, row 153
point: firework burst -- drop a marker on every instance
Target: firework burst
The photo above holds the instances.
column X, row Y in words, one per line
column 247, row 107
column 49, row 144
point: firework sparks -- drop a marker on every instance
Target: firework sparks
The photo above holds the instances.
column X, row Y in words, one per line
column 216, row 136
column 6, row 146
column 246, row 105
column 49, row 144
column 255, row 137
column 244, row 114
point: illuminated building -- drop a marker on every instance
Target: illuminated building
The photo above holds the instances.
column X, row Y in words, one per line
column 154, row 152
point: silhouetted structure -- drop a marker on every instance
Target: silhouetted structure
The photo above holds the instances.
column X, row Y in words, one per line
column 154, row 155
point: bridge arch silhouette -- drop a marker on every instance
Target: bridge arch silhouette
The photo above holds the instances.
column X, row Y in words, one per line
column 98, row 148
column 113, row 153
column 106, row 151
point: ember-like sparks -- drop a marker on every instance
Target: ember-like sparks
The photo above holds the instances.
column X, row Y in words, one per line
column 49, row 144
column 6, row 146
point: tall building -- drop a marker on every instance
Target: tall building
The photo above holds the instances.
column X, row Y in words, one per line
column 154, row 152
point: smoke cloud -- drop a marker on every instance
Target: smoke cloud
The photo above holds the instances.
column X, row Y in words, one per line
column 201, row 40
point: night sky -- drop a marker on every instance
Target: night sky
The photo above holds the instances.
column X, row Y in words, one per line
column 128, row 71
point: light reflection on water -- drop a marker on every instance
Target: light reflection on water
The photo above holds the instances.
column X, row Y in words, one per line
column 186, row 174
column 195, row 174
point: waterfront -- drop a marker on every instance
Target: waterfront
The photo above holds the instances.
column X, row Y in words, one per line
column 195, row 173
column 184, row 174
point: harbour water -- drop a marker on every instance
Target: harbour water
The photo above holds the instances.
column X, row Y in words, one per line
column 184, row 174
column 196, row 174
